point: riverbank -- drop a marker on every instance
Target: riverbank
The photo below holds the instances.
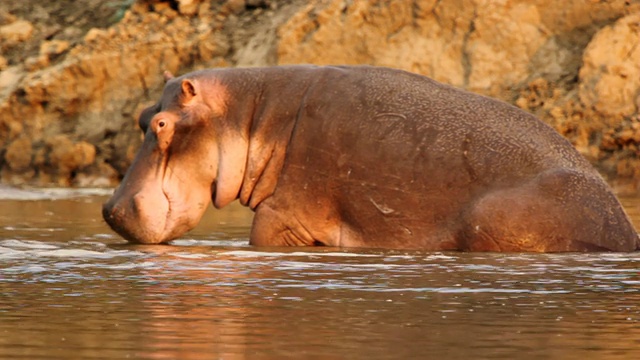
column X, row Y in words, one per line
column 74, row 75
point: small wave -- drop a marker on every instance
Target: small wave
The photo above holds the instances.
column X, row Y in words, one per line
column 243, row 253
column 212, row 243
column 22, row 249
column 26, row 244
column 184, row 255
column 332, row 266
column 12, row 193
column 87, row 254
column 9, row 253
column 440, row 256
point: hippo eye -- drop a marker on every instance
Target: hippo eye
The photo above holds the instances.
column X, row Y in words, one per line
column 160, row 123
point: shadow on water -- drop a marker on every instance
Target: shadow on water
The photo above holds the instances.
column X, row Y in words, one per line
column 70, row 288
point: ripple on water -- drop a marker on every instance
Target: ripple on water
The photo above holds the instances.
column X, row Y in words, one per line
column 12, row 193
column 28, row 249
column 211, row 243
column 273, row 254
column 26, row 244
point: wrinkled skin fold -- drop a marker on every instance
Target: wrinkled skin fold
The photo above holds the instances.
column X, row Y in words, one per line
column 361, row 157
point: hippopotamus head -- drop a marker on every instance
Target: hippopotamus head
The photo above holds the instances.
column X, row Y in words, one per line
column 173, row 177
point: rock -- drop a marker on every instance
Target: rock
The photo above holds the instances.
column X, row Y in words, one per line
column 4, row 63
column 18, row 154
column 488, row 49
column 85, row 154
column 501, row 45
column 53, row 48
column 61, row 153
column 35, row 63
column 627, row 136
column 235, row 6
column 10, row 126
column 94, row 35
column 610, row 77
column 6, row 18
column 72, row 32
column 164, row 8
column 16, row 32
column 211, row 45
column 67, row 156
column 188, row 7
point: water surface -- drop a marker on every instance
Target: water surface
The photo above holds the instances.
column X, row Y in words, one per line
column 70, row 288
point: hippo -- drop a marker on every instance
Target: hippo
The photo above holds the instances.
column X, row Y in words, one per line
column 361, row 157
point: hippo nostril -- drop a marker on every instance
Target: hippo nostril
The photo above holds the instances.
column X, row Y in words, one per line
column 107, row 210
column 113, row 213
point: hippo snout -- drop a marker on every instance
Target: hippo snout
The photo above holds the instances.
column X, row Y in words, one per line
column 114, row 214
column 137, row 220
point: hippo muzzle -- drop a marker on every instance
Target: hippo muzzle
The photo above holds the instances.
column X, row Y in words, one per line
column 140, row 218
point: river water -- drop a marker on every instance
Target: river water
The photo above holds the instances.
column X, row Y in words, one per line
column 70, row 288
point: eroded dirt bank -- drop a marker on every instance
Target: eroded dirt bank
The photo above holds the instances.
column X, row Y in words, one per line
column 75, row 74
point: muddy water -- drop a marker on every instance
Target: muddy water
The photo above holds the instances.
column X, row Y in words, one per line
column 69, row 288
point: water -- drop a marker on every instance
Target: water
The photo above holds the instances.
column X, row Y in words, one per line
column 70, row 288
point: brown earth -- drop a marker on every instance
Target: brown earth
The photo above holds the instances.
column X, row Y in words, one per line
column 75, row 74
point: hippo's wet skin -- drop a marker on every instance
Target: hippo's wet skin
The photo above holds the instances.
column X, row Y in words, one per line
column 361, row 157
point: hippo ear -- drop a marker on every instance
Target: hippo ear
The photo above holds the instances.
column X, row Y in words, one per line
column 188, row 91
column 167, row 75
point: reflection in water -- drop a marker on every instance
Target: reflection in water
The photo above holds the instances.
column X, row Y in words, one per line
column 69, row 288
